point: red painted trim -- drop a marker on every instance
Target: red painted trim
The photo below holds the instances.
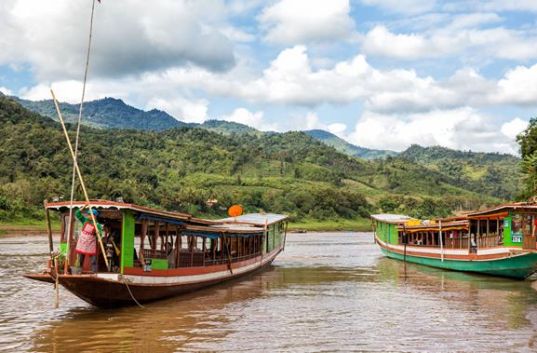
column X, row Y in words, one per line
column 499, row 215
column 521, row 206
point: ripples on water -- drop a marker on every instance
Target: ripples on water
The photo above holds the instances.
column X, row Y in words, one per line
column 325, row 293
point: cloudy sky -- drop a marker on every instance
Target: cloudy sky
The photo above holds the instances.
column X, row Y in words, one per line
column 379, row 73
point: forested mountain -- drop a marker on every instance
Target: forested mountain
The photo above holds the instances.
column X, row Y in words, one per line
column 181, row 168
column 227, row 127
column 114, row 113
column 111, row 113
column 493, row 173
column 107, row 113
column 348, row 148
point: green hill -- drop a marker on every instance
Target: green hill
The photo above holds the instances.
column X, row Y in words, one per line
column 491, row 173
column 348, row 148
column 107, row 113
column 227, row 127
column 181, row 168
column 116, row 114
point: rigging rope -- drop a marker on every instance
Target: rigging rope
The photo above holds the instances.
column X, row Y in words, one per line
column 132, row 296
column 73, row 178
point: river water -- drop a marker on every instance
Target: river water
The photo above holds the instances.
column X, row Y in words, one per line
column 327, row 292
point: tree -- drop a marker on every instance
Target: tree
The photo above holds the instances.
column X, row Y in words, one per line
column 527, row 139
column 528, row 149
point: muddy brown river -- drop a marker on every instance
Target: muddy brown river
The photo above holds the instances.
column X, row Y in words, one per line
column 327, row 292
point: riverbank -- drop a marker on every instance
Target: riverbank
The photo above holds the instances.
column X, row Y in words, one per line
column 27, row 227
column 314, row 225
column 34, row 227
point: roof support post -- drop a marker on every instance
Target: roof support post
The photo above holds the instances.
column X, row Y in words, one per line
column 440, row 239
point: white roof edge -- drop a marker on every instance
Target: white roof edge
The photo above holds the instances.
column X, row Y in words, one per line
column 255, row 218
column 391, row 218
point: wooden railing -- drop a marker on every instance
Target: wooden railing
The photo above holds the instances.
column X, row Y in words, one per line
column 198, row 258
column 233, row 259
column 487, row 241
column 529, row 242
column 456, row 243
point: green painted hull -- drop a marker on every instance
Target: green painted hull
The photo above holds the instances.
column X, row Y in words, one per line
column 518, row 267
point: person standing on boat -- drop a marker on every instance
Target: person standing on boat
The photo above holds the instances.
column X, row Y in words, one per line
column 87, row 241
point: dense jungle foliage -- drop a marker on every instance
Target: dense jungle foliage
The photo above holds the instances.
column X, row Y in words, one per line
column 182, row 168
column 528, row 150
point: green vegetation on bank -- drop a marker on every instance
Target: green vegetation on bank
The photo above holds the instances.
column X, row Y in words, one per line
column 27, row 225
column 314, row 225
column 182, row 168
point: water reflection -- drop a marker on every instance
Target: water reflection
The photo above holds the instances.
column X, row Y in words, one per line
column 504, row 299
column 327, row 292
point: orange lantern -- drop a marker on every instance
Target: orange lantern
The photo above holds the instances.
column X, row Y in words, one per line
column 235, row 211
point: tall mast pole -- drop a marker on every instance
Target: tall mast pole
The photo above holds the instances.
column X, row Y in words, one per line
column 73, row 177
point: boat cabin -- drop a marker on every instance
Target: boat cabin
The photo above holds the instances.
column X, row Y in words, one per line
column 511, row 225
column 141, row 240
column 450, row 233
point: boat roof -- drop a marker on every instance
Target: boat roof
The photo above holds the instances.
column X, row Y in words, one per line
column 436, row 226
column 258, row 219
column 391, row 218
column 231, row 224
column 501, row 210
column 105, row 204
column 225, row 228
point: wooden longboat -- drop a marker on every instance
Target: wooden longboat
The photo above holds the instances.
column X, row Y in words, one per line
column 160, row 254
column 499, row 241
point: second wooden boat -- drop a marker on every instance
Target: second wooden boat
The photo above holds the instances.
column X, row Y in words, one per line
column 499, row 241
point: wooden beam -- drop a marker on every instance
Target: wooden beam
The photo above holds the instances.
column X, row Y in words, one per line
column 179, row 241
column 204, row 248
column 192, row 250
column 49, row 232
column 156, row 234
column 142, row 241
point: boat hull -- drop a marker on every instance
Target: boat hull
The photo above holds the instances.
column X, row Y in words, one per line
column 114, row 290
column 518, row 266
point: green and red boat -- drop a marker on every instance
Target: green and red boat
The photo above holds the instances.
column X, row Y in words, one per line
column 157, row 254
column 500, row 241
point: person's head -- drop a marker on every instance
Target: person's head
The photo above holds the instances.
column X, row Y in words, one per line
column 94, row 212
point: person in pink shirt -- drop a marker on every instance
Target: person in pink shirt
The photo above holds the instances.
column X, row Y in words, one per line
column 87, row 240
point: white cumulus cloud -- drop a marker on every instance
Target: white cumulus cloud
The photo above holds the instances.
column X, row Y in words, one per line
column 6, row 91
column 130, row 36
column 462, row 128
column 463, row 34
column 187, row 110
column 519, row 85
column 514, row 127
column 306, row 21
